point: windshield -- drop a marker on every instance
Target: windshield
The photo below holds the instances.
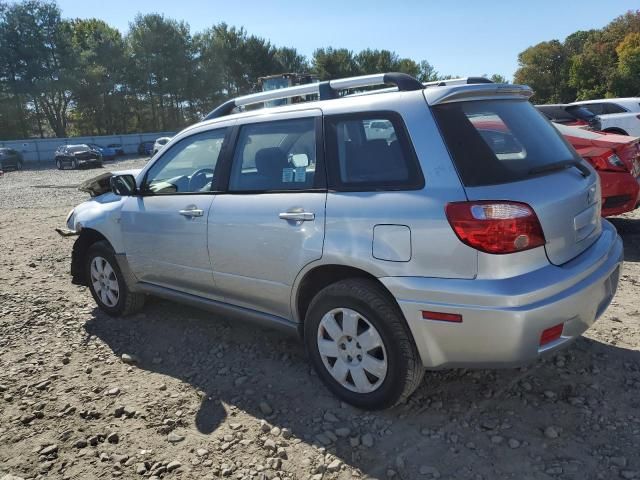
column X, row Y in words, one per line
column 79, row 148
column 499, row 141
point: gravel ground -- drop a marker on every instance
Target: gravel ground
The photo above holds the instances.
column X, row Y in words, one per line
column 174, row 393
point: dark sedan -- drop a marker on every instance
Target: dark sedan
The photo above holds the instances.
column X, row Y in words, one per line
column 76, row 156
column 10, row 159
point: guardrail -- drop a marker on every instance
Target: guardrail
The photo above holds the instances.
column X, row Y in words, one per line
column 42, row 150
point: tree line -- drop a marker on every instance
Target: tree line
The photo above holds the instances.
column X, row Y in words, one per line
column 588, row 64
column 63, row 77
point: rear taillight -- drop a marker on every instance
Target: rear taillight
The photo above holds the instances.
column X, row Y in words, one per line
column 551, row 334
column 497, row 227
column 608, row 161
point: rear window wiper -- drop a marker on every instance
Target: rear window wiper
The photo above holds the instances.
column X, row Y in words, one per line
column 550, row 167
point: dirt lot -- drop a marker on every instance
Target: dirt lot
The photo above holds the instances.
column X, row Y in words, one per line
column 174, row 393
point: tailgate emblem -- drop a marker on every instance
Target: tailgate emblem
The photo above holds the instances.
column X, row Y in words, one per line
column 591, row 195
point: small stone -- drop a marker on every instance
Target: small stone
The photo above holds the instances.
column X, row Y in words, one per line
column 334, row 466
column 27, row 419
column 496, row 439
column 513, row 443
column 265, row 408
column 619, row 461
column 330, row 417
column 80, row 443
column 354, row 441
column 286, row 433
column 49, row 450
column 269, row 444
column 174, row 438
column 391, row 473
column 202, row 452
column 264, row 426
column 551, row 432
column 129, row 359
column 113, row 437
column 173, row 466
column 429, row 470
column 141, row 468
column 113, row 391
column 628, row 474
column 367, row 440
column 343, row 432
column 275, row 431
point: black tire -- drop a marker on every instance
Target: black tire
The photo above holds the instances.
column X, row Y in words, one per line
column 617, row 131
column 58, row 164
column 74, row 164
column 367, row 298
column 128, row 302
column 19, row 166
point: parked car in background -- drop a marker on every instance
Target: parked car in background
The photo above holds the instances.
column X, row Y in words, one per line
column 108, row 153
column 118, row 148
column 569, row 114
column 615, row 115
column 10, row 158
column 159, row 143
column 469, row 236
column 76, row 156
column 145, row 148
column 616, row 158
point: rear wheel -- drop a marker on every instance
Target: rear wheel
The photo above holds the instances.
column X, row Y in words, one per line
column 360, row 345
column 19, row 165
column 74, row 164
column 107, row 284
column 58, row 164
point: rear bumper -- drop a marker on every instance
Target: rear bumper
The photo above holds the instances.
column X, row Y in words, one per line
column 503, row 319
column 620, row 192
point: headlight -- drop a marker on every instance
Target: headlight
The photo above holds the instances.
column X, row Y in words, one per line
column 69, row 220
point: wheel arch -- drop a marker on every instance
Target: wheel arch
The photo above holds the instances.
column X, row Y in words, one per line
column 319, row 277
column 87, row 237
column 615, row 130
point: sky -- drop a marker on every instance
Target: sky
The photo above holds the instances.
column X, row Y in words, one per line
column 457, row 37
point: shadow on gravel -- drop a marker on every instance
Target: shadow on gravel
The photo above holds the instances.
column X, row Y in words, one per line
column 629, row 230
column 454, row 415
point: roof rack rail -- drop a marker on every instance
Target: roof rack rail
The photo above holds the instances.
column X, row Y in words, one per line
column 458, row 81
column 325, row 90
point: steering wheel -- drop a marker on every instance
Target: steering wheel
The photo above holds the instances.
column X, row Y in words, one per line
column 199, row 176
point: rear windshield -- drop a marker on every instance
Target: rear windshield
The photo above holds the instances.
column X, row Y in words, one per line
column 499, row 141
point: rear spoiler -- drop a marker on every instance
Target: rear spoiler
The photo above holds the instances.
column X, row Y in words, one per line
column 479, row 91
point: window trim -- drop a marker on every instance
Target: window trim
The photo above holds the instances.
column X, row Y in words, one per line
column 144, row 192
column 416, row 179
column 320, row 176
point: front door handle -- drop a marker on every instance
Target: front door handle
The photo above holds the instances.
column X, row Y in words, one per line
column 191, row 212
column 298, row 216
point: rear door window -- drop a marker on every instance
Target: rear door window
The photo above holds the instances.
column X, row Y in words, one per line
column 276, row 156
column 499, row 141
column 371, row 151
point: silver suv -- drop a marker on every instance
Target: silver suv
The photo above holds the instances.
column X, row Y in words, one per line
column 412, row 227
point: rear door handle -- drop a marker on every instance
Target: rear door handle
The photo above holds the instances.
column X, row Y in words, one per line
column 191, row 212
column 298, row 216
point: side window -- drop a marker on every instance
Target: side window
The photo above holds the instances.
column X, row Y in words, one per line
column 371, row 151
column 596, row 108
column 278, row 156
column 188, row 166
column 613, row 108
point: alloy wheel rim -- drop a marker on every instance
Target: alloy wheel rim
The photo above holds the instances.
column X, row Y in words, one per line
column 352, row 350
column 104, row 281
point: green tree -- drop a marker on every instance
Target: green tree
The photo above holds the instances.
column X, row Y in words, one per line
column 160, row 67
column 99, row 96
column 331, row 63
column 545, row 68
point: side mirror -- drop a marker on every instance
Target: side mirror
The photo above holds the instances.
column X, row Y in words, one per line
column 123, row 185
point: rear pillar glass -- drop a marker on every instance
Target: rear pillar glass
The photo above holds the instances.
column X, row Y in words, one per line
column 499, row 141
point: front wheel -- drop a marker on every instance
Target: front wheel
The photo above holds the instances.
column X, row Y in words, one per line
column 360, row 345
column 74, row 164
column 107, row 284
column 58, row 164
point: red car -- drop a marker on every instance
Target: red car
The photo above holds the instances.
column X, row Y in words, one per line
column 617, row 161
